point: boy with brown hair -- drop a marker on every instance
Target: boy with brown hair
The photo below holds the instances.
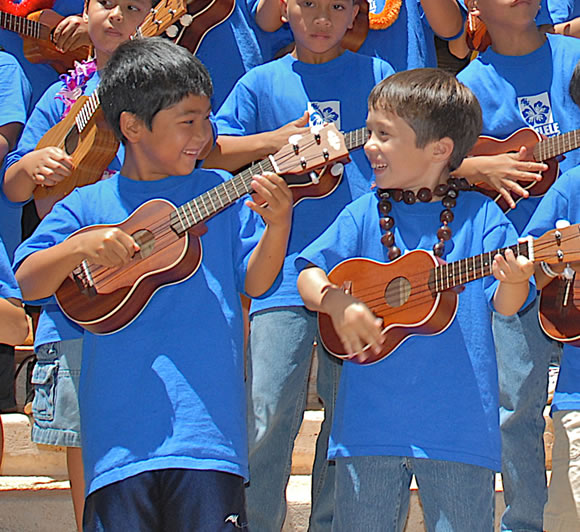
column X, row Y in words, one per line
column 431, row 407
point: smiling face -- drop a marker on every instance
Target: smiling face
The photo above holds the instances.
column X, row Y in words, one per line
column 396, row 160
column 112, row 22
column 175, row 141
column 318, row 27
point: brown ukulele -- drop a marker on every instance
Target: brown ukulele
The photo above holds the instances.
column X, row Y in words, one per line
column 417, row 293
column 84, row 134
column 36, row 32
column 559, row 309
column 203, row 16
column 104, row 300
column 542, row 150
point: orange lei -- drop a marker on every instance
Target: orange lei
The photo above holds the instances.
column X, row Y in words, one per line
column 382, row 20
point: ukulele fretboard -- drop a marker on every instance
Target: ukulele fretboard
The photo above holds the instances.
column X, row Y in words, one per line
column 218, row 198
column 23, row 26
column 456, row 273
column 554, row 146
column 355, row 139
column 87, row 111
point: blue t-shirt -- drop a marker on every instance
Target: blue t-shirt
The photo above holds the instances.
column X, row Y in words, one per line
column 562, row 202
column 8, row 285
column 562, row 10
column 15, row 104
column 527, row 91
column 235, row 46
column 41, row 75
column 435, row 396
column 52, row 325
column 407, row 43
column 258, row 104
column 167, row 391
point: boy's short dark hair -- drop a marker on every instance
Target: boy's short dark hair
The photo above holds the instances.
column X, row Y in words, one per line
column 435, row 105
column 145, row 76
column 575, row 84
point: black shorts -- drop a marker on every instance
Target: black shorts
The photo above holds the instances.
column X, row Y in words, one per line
column 175, row 500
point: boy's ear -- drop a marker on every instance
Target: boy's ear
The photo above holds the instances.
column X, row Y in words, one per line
column 284, row 11
column 355, row 11
column 442, row 149
column 131, row 127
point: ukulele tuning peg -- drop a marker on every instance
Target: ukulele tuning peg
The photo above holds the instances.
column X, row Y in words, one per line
column 314, row 178
column 186, row 20
column 560, row 224
column 172, row 31
column 568, row 273
column 337, row 169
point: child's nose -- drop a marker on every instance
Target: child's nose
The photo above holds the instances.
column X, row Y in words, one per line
column 116, row 13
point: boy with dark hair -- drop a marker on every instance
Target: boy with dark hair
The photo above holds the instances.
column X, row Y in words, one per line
column 410, row 413
column 562, row 511
column 162, row 402
column 521, row 80
column 273, row 102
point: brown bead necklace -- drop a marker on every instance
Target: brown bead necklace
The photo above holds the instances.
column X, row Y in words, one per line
column 448, row 191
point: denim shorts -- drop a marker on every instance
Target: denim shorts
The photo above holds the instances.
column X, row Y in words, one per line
column 56, row 384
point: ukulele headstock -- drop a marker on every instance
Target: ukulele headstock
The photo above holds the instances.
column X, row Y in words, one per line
column 559, row 245
column 161, row 17
column 304, row 153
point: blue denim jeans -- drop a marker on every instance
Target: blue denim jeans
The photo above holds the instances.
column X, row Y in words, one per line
column 523, row 356
column 279, row 356
column 372, row 494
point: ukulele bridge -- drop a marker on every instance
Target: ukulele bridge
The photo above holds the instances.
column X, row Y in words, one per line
column 84, row 280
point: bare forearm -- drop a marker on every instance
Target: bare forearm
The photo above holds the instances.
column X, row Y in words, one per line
column 266, row 260
column 268, row 15
column 509, row 297
column 444, row 16
column 13, row 322
column 18, row 184
column 315, row 287
column 42, row 273
column 232, row 152
column 571, row 28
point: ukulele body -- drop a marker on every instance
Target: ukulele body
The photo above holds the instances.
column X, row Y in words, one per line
column 92, row 150
column 559, row 311
column 43, row 50
column 400, row 293
column 114, row 302
column 523, row 137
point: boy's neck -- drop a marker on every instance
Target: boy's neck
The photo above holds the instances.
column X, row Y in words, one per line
column 136, row 169
column 305, row 55
column 506, row 41
column 101, row 59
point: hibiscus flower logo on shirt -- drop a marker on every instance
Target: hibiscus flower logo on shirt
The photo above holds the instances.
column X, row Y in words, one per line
column 537, row 112
column 324, row 112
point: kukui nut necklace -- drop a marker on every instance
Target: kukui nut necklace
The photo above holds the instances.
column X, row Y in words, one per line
column 449, row 191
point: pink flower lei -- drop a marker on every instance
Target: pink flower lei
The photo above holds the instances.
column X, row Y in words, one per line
column 75, row 82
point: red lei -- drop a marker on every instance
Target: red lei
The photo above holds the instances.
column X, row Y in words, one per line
column 25, row 7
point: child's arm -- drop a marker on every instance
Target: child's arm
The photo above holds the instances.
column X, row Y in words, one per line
column 71, row 33
column 354, row 323
column 502, row 172
column 9, row 134
column 46, row 167
column 513, row 274
column 268, row 15
column 13, row 322
column 41, row 273
column 444, row 17
column 268, row 256
column 232, row 152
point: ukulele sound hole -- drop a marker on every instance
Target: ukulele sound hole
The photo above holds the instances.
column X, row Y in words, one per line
column 397, row 292
column 146, row 242
column 71, row 141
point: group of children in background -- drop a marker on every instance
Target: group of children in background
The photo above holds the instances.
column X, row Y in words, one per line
column 184, row 428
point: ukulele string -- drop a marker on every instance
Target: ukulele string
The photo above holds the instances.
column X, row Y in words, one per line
column 420, row 282
column 162, row 227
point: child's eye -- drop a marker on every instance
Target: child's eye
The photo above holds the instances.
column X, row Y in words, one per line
column 133, row 7
column 338, row 7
